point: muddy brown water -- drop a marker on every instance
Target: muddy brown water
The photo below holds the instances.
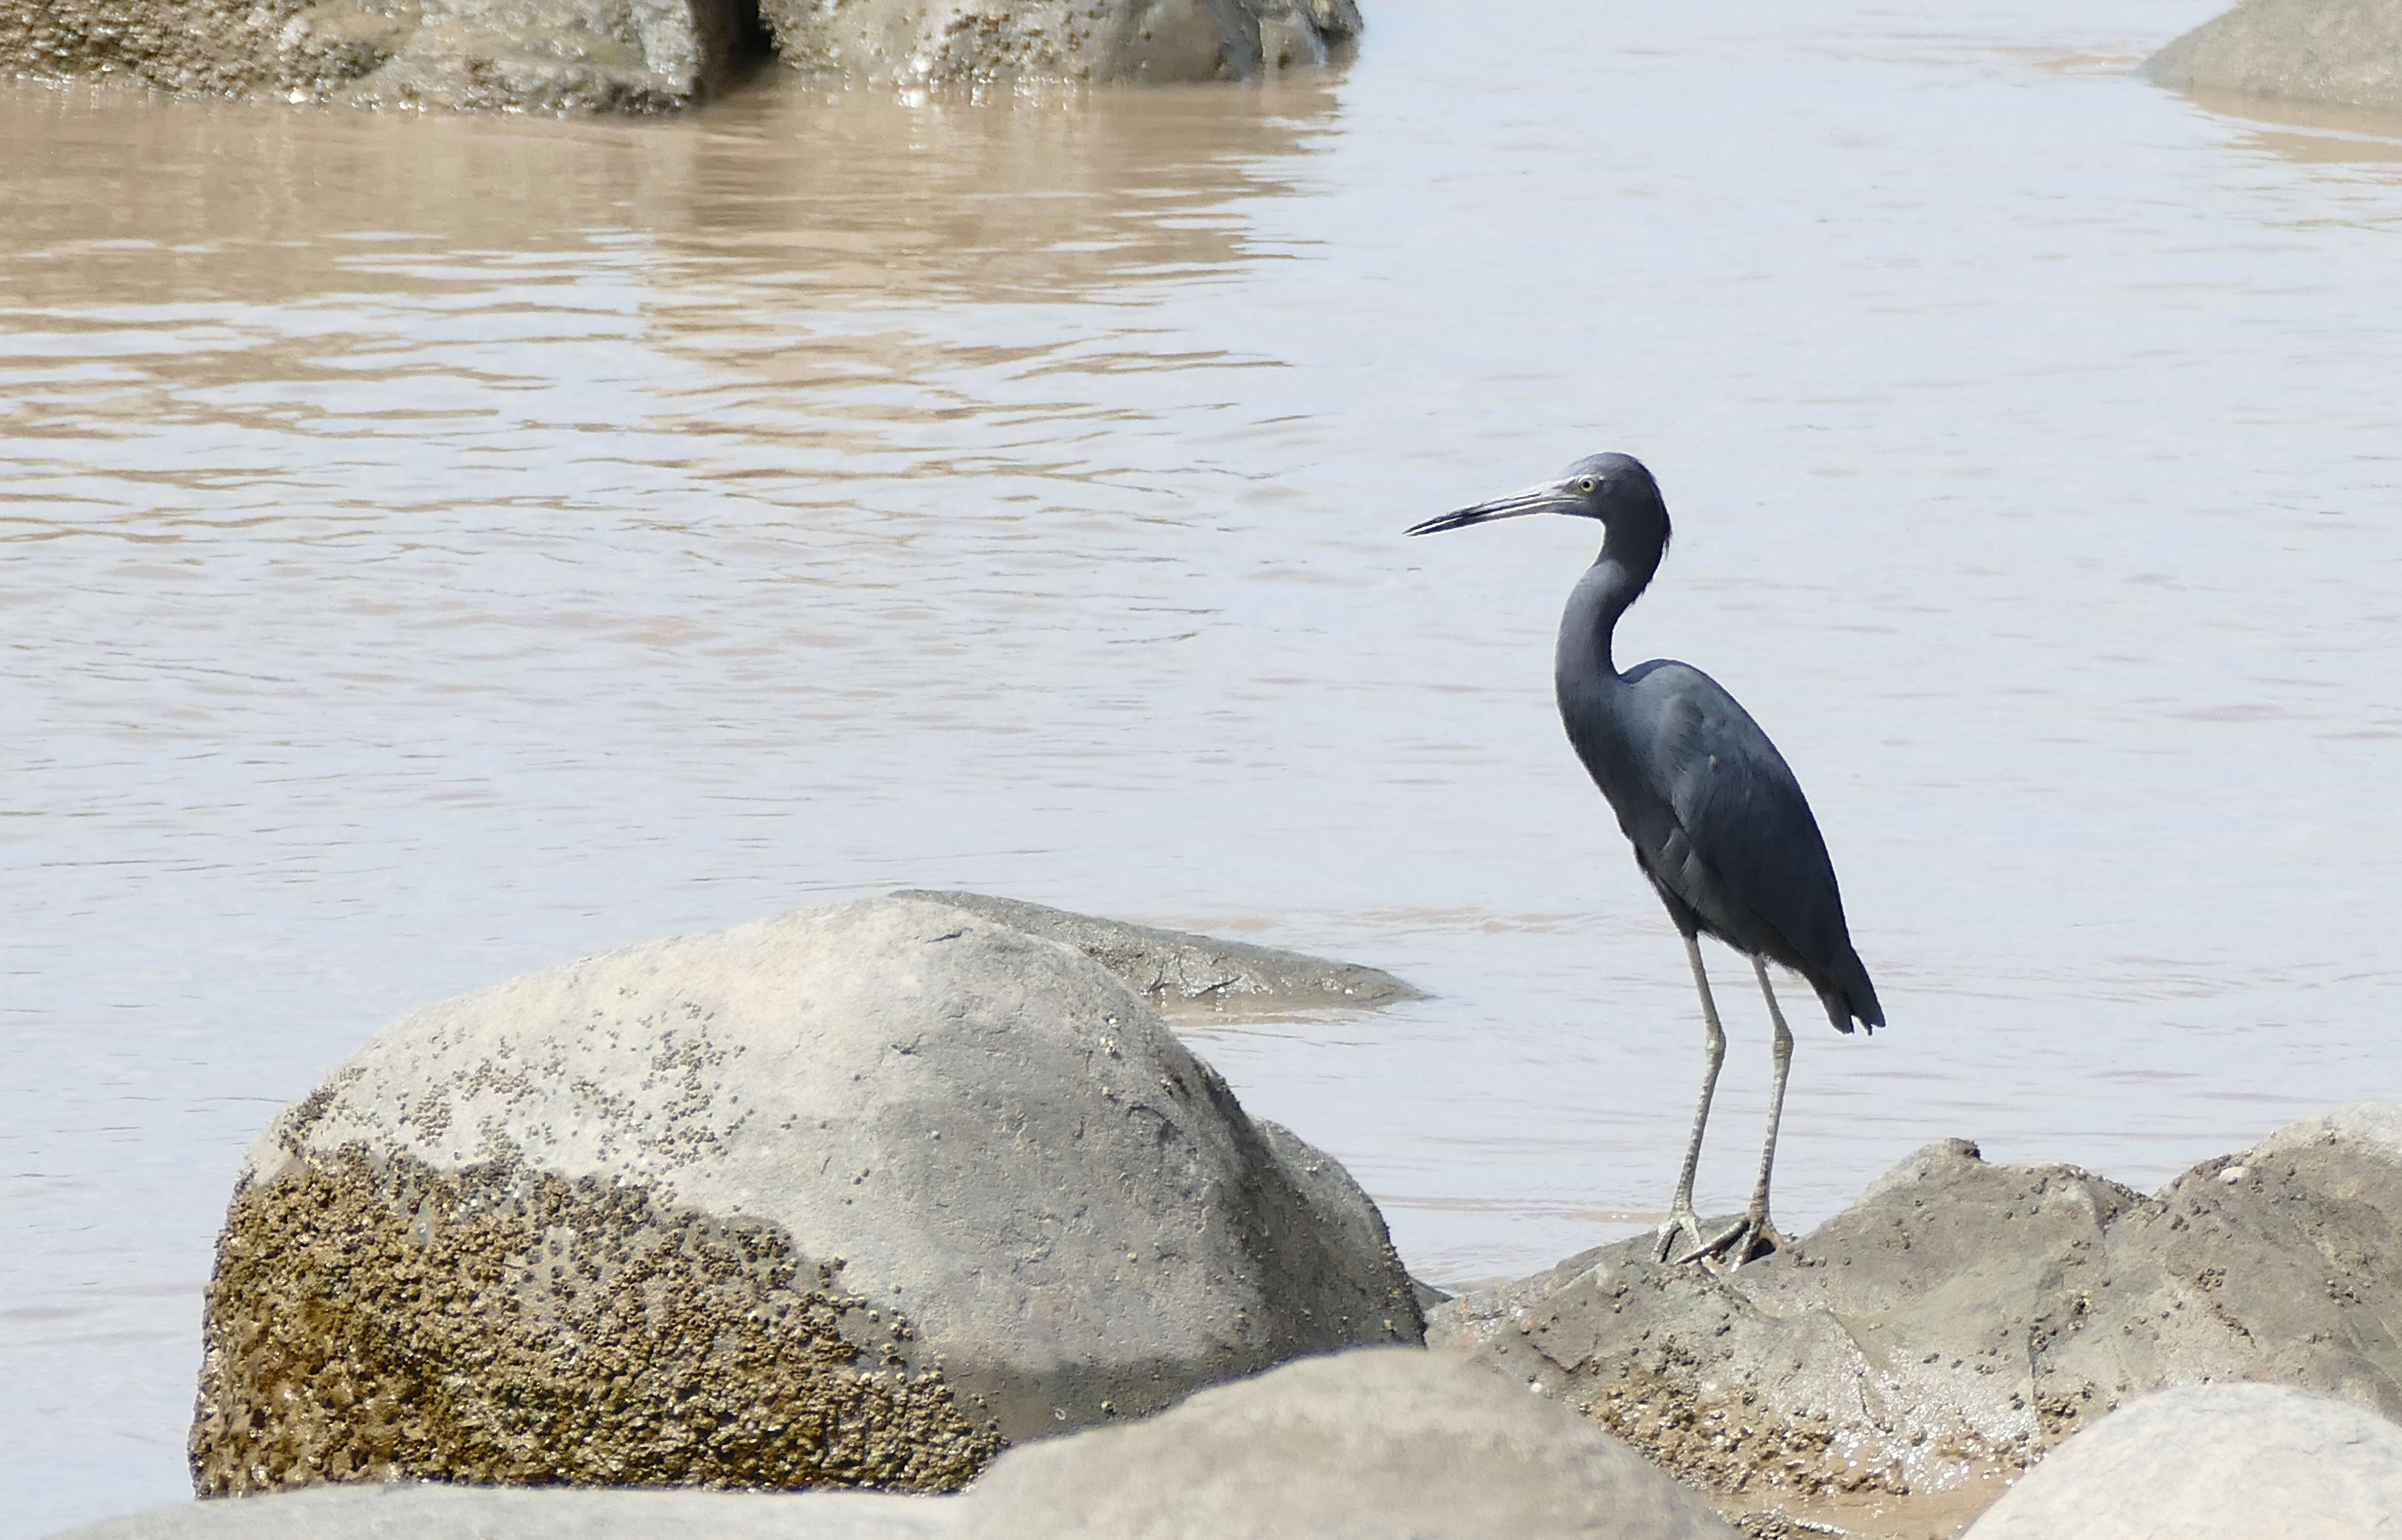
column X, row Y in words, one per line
column 437, row 547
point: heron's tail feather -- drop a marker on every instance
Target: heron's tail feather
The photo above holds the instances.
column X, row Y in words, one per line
column 1850, row 996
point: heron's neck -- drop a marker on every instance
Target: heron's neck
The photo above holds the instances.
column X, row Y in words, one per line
column 1599, row 598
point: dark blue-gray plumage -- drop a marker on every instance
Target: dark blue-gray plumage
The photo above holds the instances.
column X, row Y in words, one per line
column 1718, row 821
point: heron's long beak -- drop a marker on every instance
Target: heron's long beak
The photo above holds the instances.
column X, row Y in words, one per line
column 1550, row 497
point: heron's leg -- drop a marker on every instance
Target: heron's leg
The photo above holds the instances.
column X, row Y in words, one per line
column 1682, row 1218
column 1753, row 1235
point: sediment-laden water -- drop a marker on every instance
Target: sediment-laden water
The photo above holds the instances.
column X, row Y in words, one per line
column 435, row 547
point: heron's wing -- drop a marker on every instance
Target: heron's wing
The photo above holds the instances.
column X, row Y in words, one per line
column 1744, row 824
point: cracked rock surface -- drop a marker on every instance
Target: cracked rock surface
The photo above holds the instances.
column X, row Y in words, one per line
column 1962, row 1318
column 855, row 1196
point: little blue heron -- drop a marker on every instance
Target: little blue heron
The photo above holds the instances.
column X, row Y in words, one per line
column 1716, row 820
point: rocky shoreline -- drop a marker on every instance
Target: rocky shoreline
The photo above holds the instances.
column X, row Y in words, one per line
column 646, row 56
column 921, row 1193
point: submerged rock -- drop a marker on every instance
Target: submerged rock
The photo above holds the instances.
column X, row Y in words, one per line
column 1356, row 1446
column 2342, row 52
column 1179, row 968
column 2213, row 1463
column 1961, row 1318
column 546, row 55
column 850, row 1197
column 1097, row 40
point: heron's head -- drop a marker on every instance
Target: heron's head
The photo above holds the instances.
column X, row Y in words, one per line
column 1614, row 488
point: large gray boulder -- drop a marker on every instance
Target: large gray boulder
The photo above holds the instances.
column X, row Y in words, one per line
column 2281, row 1263
column 1095, row 40
column 2214, row 1463
column 2343, row 52
column 1962, row 1318
column 548, row 55
column 849, row 1197
column 1358, row 1446
column 1890, row 1352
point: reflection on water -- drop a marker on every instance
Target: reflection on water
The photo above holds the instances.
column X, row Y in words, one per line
column 434, row 548
column 2307, row 132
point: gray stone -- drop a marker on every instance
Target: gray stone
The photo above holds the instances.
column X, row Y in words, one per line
column 1097, row 40
column 1356, row 1446
column 2343, row 52
column 2213, row 1463
column 851, row 1196
column 1961, row 1319
column 413, row 1511
column 2281, row 1263
column 1891, row 1351
column 1174, row 968
column 546, row 55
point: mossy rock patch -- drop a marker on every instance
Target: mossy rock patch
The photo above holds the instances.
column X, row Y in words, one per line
column 383, row 1321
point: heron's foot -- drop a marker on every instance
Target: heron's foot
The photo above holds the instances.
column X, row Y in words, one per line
column 1747, row 1240
column 1683, row 1226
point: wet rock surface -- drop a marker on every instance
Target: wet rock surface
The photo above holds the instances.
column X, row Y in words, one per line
column 1095, row 40
column 1962, row 1318
column 541, row 55
column 2222, row 1462
column 2340, row 53
column 855, row 1196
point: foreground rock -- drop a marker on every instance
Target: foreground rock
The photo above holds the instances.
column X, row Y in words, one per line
column 1095, row 40
column 1359, row 1446
column 546, row 55
column 1962, row 1318
column 2342, row 52
column 848, row 1197
column 431, row 1511
column 1354, row 1446
column 2214, row 1463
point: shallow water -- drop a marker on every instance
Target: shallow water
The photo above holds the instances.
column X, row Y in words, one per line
column 438, row 548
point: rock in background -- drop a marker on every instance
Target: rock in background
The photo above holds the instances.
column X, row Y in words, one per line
column 849, row 1197
column 2340, row 53
column 644, row 56
column 548, row 55
column 1177, row 968
column 1095, row 40
column 1962, row 1318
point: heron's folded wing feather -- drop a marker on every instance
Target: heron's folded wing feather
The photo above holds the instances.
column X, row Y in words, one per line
column 1742, row 817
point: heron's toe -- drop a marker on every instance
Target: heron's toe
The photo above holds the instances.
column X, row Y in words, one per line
column 1747, row 1240
column 1683, row 1226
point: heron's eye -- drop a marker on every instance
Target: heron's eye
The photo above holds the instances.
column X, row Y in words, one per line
column 1584, row 483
